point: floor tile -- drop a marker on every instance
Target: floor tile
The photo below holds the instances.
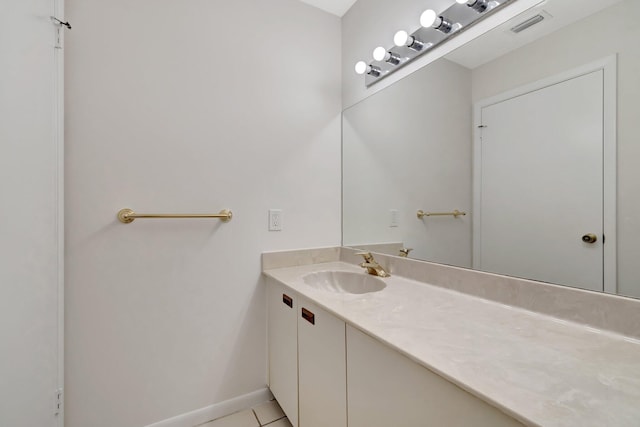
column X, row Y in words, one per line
column 284, row 422
column 240, row 419
column 268, row 412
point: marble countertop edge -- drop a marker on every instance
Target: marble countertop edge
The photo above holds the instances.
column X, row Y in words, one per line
column 402, row 351
column 473, row 384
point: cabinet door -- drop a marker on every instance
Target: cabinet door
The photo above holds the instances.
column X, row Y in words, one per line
column 388, row 389
column 322, row 368
column 283, row 348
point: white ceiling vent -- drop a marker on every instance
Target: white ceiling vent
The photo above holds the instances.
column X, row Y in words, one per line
column 530, row 22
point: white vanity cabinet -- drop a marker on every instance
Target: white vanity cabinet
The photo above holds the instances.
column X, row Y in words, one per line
column 307, row 360
column 388, row 389
column 313, row 356
column 282, row 332
column 321, row 368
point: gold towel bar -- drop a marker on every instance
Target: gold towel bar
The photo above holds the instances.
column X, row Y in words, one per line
column 456, row 214
column 127, row 216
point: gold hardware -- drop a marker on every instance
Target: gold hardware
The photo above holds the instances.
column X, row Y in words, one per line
column 404, row 252
column 372, row 266
column 456, row 214
column 590, row 238
column 127, row 216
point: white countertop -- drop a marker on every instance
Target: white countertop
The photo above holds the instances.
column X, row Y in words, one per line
column 538, row 369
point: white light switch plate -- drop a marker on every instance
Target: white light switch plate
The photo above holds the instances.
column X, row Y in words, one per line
column 394, row 216
column 275, row 219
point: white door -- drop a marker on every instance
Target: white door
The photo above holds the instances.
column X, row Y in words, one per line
column 30, row 238
column 541, row 184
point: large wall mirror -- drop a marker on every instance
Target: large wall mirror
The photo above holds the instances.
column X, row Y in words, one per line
column 517, row 154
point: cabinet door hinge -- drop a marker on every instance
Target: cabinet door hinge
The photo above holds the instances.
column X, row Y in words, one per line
column 480, row 129
column 58, row 401
column 59, row 24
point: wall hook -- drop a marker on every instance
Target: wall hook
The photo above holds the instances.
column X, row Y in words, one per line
column 59, row 22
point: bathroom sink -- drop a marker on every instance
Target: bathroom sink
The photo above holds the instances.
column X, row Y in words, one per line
column 344, row 282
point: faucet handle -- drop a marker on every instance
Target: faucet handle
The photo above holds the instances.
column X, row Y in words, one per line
column 366, row 255
column 404, row 252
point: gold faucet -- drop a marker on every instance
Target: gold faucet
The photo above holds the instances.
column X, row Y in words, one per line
column 404, row 252
column 372, row 266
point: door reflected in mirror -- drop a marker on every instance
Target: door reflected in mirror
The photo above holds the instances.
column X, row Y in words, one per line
column 532, row 135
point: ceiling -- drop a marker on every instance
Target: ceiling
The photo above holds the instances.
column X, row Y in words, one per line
column 500, row 41
column 336, row 7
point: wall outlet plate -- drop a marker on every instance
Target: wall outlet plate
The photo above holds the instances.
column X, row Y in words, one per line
column 275, row 219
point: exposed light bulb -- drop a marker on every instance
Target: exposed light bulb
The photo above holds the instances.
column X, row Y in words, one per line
column 402, row 38
column 379, row 53
column 428, row 18
column 361, row 67
column 364, row 68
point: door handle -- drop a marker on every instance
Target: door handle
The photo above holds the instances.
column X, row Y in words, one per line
column 590, row 238
column 308, row 316
column 287, row 300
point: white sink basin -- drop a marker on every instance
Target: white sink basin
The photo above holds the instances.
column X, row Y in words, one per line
column 344, row 282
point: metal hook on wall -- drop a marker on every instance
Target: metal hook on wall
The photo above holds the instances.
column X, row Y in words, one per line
column 59, row 22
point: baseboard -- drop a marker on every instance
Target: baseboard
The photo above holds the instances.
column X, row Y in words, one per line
column 228, row 407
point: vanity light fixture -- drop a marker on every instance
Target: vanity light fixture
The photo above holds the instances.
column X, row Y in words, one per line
column 479, row 6
column 430, row 18
column 382, row 55
column 364, row 68
column 409, row 46
column 402, row 38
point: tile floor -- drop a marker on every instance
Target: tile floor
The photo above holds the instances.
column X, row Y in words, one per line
column 267, row 414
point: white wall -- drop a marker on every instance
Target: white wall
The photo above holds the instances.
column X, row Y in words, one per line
column 177, row 106
column 409, row 148
column 614, row 30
